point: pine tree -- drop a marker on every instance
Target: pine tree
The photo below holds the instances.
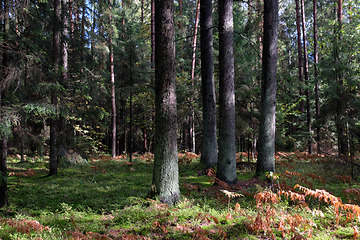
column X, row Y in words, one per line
column 209, row 144
column 266, row 160
column 165, row 175
column 226, row 167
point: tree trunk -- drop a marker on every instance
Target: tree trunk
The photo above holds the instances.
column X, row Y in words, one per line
column 3, row 171
column 113, row 97
column 340, row 118
column 3, row 138
column 259, row 8
column 82, row 37
column 192, row 116
column 266, row 161
column 152, row 33
column 61, row 123
column 65, row 38
column 131, row 106
column 300, row 54
column 316, row 62
column 226, row 167
column 56, row 59
column 166, row 173
column 209, row 144
column 71, row 19
column 306, row 75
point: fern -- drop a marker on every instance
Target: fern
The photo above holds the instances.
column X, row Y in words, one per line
column 24, row 226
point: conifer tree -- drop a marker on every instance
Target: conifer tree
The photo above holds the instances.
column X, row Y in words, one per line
column 165, row 174
column 266, row 151
column 226, row 167
column 209, row 144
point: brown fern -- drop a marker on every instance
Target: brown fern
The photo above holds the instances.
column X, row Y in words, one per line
column 25, row 226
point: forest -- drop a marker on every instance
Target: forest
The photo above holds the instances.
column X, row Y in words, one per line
column 179, row 119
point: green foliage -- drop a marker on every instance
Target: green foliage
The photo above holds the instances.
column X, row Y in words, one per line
column 9, row 118
column 39, row 112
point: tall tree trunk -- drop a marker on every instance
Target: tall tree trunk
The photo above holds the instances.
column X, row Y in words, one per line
column 3, row 138
column 316, row 62
column 142, row 11
column 113, row 97
column 56, row 59
column 3, row 171
column 166, row 172
column 194, row 41
column 152, row 33
column 82, row 37
column 209, row 144
column 340, row 116
column 260, row 11
column 226, row 167
column 306, row 75
column 300, row 54
column 131, row 104
column 266, row 161
column 71, row 20
column 61, row 138
column 192, row 116
column 65, row 38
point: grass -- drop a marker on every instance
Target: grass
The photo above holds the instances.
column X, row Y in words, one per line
column 106, row 199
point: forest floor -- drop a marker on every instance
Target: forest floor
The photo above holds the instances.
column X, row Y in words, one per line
column 105, row 198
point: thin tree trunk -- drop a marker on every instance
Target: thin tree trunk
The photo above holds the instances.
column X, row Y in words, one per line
column 209, row 144
column 300, row 54
column 340, row 118
column 3, row 171
column 145, row 135
column 113, row 97
column 266, row 151
column 56, row 59
column 316, row 62
column 226, row 167
column 82, row 37
column 166, row 172
column 142, row 11
column 152, row 33
column 306, row 75
column 261, row 26
column 192, row 116
column 194, row 41
column 131, row 106
column 65, row 38
column 71, row 20
column 3, row 139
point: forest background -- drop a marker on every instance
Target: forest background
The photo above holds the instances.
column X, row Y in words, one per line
column 99, row 80
column 106, row 50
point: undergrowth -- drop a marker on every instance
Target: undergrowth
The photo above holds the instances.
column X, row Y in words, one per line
column 106, row 199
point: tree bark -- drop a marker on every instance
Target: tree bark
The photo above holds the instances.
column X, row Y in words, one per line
column 56, row 59
column 266, row 161
column 306, row 75
column 193, row 60
column 226, row 167
column 3, row 171
column 316, row 62
column 82, row 37
column 166, row 173
column 209, row 144
column 152, row 33
column 3, row 138
column 113, row 96
column 65, row 38
column 340, row 115
column 300, row 54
